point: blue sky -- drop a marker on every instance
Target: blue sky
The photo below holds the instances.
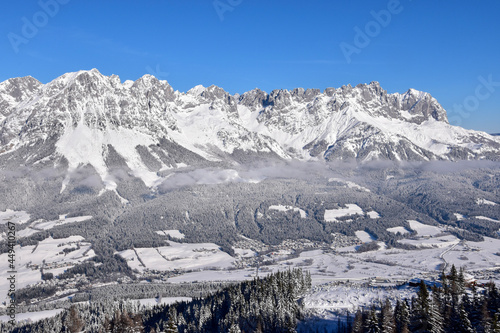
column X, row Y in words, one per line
column 450, row 49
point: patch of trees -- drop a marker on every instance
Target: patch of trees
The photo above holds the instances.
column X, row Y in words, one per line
column 26, row 294
column 365, row 247
column 266, row 305
column 107, row 269
column 270, row 304
column 450, row 308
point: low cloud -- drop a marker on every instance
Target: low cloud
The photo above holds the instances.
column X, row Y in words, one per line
column 200, row 176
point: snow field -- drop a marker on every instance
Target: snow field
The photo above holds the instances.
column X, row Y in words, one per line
column 424, row 229
column 364, row 236
column 14, row 217
column 440, row 242
column 29, row 260
column 31, row 317
column 38, row 225
column 281, row 208
column 39, row 315
column 51, row 224
column 150, row 302
column 486, row 218
column 331, row 215
column 172, row 233
column 181, row 256
column 480, row 201
column 341, row 296
column 373, row 214
column 401, row 230
column 349, row 184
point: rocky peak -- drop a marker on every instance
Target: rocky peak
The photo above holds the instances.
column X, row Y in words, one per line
column 213, row 92
column 304, row 95
column 279, row 98
column 16, row 90
column 253, row 99
column 423, row 105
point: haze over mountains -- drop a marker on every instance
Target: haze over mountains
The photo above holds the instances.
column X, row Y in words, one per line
column 88, row 119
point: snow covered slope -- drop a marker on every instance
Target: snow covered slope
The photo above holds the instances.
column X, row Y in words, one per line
column 88, row 119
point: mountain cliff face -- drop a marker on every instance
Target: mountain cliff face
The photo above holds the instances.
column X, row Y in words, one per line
column 87, row 119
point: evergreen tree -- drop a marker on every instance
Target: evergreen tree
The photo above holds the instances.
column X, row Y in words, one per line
column 73, row 321
column 171, row 326
column 495, row 323
column 465, row 325
column 420, row 310
column 234, row 328
column 372, row 322
column 435, row 316
column 357, row 325
column 387, row 321
column 402, row 316
column 461, row 281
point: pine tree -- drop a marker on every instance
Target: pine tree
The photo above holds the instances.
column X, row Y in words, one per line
column 388, row 323
column 402, row 316
column 420, row 310
column 461, row 281
column 171, row 326
column 357, row 325
column 495, row 323
column 234, row 328
column 455, row 289
column 493, row 297
column 465, row 324
column 73, row 321
column 372, row 322
column 485, row 316
column 435, row 316
column 445, row 282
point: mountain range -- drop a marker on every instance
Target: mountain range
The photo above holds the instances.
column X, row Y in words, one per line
column 86, row 119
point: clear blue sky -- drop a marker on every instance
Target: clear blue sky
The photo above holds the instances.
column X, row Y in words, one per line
column 441, row 47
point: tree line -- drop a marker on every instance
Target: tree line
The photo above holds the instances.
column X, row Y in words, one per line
column 270, row 304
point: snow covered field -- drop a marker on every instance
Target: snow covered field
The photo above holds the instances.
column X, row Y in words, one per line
column 184, row 256
column 480, row 201
column 14, row 217
column 39, row 315
column 486, row 218
column 288, row 208
column 150, row 302
column 349, row 184
column 39, row 225
column 172, row 233
column 401, row 230
column 47, row 254
column 332, row 215
column 33, row 316
column 424, row 229
column 364, row 236
column 350, row 296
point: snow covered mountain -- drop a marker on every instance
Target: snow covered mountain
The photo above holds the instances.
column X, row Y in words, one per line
column 88, row 119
